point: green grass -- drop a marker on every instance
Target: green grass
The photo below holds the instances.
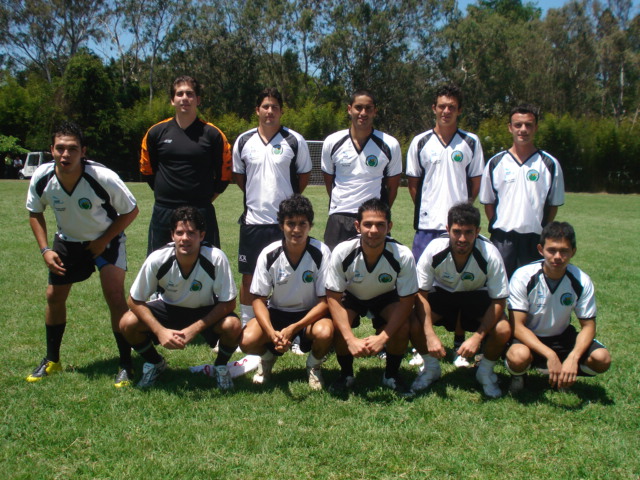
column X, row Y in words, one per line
column 76, row 425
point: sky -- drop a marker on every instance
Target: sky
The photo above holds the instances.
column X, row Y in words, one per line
column 547, row 4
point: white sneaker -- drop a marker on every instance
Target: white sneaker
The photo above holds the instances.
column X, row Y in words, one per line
column 263, row 372
column 151, row 372
column 426, row 377
column 461, row 362
column 517, row 383
column 316, row 382
column 416, row 358
column 295, row 348
column 223, row 378
column 489, row 381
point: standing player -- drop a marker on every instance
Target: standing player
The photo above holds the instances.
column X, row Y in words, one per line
column 289, row 295
column 371, row 273
column 186, row 161
column 270, row 163
column 358, row 164
column 196, row 295
column 92, row 207
column 462, row 279
column 542, row 296
column 521, row 190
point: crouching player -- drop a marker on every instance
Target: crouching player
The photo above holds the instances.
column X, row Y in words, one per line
column 461, row 277
column 196, row 294
column 542, row 296
column 289, row 296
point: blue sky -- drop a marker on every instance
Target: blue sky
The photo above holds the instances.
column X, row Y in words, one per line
column 547, row 4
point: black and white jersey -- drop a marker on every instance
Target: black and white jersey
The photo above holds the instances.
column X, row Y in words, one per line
column 209, row 282
column 359, row 174
column 87, row 211
column 521, row 191
column 549, row 309
column 484, row 269
column 291, row 288
column 271, row 171
column 443, row 171
column 395, row 270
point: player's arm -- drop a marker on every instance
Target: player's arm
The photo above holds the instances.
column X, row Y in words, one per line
column 261, row 312
column 570, row 366
column 550, row 212
column 491, row 316
column 412, row 184
column 217, row 313
column 39, row 228
column 392, row 184
column 320, row 310
column 147, row 165
column 397, row 316
column 490, row 211
column 240, row 179
column 121, row 222
column 303, row 181
column 172, row 339
column 340, row 318
column 328, row 182
column 474, row 183
column 434, row 345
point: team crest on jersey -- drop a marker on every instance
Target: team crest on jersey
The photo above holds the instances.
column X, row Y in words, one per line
column 468, row 276
column 277, row 149
column 566, row 299
column 307, row 277
column 533, row 175
column 372, row 161
column 384, row 278
column 84, row 204
column 196, row 286
column 457, row 156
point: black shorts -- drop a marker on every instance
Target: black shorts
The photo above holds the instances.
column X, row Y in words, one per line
column 253, row 239
column 374, row 305
column 471, row 306
column 340, row 227
column 79, row 262
column 563, row 345
column 281, row 319
column 516, row 249
column 160, row 226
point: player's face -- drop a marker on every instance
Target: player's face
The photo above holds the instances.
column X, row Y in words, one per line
column 185, row 99
column 67, row 153
column 362, row 112
column 296, row 230
column 187, row 238
column 373, row 228
column 523, row 128
column 446, row 111
column 269, row 112
column 557, row 253
column 462, row 238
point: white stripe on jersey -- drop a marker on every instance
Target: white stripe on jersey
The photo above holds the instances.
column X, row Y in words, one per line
column 87, row 212
column 521, row 191
column 549, row 312
column 484, row 269
column 289, row 288
column 443, row 171
column 209, row 283
column 396, row 269
column 270, row 170
column 358, row 175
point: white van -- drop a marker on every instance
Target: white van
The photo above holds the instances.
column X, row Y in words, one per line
column 33, row 161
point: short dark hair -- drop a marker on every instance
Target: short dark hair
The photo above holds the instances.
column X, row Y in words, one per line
column 269, row 92
column 67, row 129
column 293, row 206
column 525, row 108
column 448, row 90
column 185, row 79
column 558, row 231
column 374, row 205
column 463, row 214
column 363, row 92
column 188, row 214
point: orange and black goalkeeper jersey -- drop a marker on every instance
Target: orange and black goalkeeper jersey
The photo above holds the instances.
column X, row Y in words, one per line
column 185, row 167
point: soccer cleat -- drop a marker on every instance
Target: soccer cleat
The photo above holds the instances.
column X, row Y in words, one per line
column 263, row 372
column 416, row 358
column 517, row 383
column 295, row 348
column 426, row 377
column 46, row 367
column 124, row 378
column 489, row 381
column 223, row 377
column 461, row 362
column 316, row 382
column 342, row 384
column 151, row 372
column 396, row 384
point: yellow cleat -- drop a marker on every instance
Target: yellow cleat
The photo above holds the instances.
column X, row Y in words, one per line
column 46, row 367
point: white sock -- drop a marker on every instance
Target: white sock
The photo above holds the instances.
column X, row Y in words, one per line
column 512, row 372
column 312, row 361
column 246, row 314
column 486, row 364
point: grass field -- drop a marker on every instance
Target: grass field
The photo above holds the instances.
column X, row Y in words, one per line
column 76, row 425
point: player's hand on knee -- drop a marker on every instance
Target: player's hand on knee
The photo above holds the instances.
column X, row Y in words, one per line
column 435, row 348
column 358, row 348
column 171, row 339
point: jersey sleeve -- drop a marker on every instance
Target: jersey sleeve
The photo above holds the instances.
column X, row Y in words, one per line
column 487, row 195
column 237, row 161
column 121, row 197
column 222, row 164
column 224, row 286
column 321, row 289
column 497, row 282
column 586, row 304
column 146, row 282
column 147, row 155
column 395, row 162
column 413, row 159
column 556, row 195
column 425, row 271
column 407, row 282
column 304, row 157
column 336, row 280
column 326, row 162
column 518, row 298
column 262, row 282
column 476, row 167
column 35, row 203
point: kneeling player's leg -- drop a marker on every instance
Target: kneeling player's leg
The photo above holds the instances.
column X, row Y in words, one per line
column 497, row 338
column 345, row 359
column 112, row 281
column 137, row 334
column 253, row 339
column 321, row 335
column 518, row 358
column 396, row 345
column 598, row 361
column 229, row 329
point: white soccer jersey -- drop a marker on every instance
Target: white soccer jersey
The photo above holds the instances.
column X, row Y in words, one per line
column 549, row 310
column 521, row 191
column 86, row 212
column 396, row 269
column 359, row 174
column 484, row 269
column 291, row 288
column 443, row 171
column 271, row 171
column 209, row 282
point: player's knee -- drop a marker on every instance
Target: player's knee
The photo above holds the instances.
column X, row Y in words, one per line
column 231, row 327
column 502, row 331
column 599, row 360
column 519, row 357
column 323, row 330
column 128, row 322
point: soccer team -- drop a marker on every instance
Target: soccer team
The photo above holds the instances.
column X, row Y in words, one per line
column 514, row 292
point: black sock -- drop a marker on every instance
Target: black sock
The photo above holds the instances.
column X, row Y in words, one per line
column 346, row 364
column 54, row 340
column 124, row 349
column 224, row 354
column 393, row 365
column 147, row 351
